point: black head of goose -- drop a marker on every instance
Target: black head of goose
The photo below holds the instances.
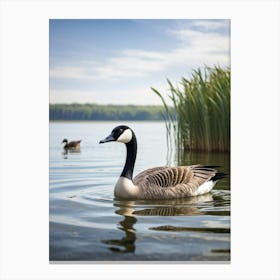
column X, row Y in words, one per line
column 72, row 144
column 159, row 182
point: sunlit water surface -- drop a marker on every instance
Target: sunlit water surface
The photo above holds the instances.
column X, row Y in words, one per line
column 88, row 224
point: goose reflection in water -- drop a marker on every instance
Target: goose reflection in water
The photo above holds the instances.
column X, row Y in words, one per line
column 127, row 209
column 127, row 243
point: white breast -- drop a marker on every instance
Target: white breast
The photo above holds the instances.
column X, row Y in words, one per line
column 126, row 189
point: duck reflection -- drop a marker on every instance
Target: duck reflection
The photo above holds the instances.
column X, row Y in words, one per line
column 129, row 210
column 70, row 151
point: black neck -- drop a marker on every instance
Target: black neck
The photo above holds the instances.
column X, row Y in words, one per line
column 131, row 151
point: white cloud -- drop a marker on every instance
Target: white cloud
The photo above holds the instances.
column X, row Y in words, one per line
column 141, row 96
column 202, row 43
column 144, row 54
column 209, row 24
column 129, row 64
column 195, row 48
column 67, row 72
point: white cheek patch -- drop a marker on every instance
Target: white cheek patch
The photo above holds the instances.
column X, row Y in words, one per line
column 125, row 137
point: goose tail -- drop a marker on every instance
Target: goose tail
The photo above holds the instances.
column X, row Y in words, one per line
column 219, row 176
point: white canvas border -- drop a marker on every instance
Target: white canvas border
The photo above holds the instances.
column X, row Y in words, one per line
column 255, row 138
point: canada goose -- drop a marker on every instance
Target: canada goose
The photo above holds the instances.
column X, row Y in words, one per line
column 71, row 145
column 159, row 182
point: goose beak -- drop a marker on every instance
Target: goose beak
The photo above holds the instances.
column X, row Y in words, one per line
column 109, row 138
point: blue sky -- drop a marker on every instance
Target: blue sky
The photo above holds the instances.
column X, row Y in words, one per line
column 118, row 61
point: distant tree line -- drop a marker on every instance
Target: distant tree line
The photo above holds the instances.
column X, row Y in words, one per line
column 76, row 111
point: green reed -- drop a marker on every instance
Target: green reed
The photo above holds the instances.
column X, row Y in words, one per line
column 200, row 120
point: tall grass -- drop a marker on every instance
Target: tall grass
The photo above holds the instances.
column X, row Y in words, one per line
column 201, row 121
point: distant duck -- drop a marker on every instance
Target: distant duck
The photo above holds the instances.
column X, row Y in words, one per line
column 72, row 145
column 159, row 182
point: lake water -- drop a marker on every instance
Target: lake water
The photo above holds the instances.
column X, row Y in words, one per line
column 88, row 224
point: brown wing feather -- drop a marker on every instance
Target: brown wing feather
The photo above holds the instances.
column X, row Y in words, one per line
column 142, row 176
column 173, row 182
column 172, row 176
